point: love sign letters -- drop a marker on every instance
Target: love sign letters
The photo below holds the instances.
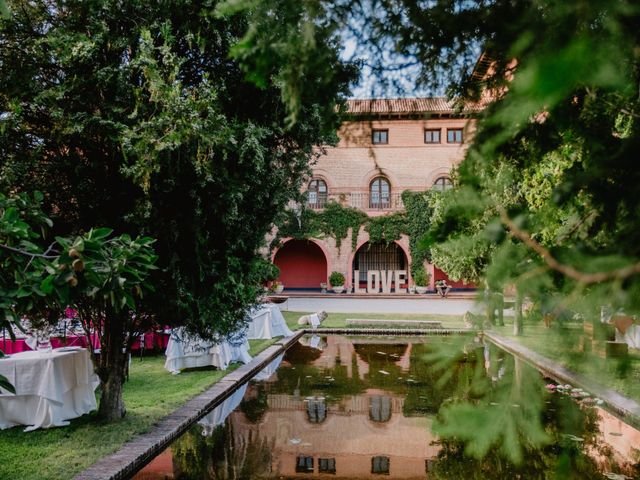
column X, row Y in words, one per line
column 381, row 278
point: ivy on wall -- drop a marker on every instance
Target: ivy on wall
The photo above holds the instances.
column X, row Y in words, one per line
column 336, row 220
column 419, row 210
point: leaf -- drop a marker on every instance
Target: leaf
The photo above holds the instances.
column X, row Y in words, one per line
column 5, row 384
column 47, row 284
column 10, row 215
column 100, row 233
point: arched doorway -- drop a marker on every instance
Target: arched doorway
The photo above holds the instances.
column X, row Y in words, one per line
column 302, row 264
column 379, row 257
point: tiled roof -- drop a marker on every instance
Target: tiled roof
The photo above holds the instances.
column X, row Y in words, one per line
column 403, row 106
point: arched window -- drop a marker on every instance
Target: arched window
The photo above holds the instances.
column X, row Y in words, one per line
column 317, row 193
column 442, row 183
column 380, row 193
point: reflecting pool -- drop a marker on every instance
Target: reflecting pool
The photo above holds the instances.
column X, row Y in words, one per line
column 412, row 408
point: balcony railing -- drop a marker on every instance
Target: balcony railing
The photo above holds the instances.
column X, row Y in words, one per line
column 359, row 200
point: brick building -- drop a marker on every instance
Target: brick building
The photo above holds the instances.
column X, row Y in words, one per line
column 386, row 146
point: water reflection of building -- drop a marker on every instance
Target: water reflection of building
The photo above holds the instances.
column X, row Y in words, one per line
column 357, row 408
column 337, row 350
column 623, row 439
column 358, row 436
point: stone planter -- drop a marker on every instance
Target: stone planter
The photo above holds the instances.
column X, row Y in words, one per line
column 279, row 289
column 339, row 289
column 421, row 290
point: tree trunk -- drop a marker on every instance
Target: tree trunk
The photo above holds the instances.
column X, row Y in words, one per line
column 517, row 322
column 488, row 296
column 111, row 401
column 500, row 307
column 113, row 360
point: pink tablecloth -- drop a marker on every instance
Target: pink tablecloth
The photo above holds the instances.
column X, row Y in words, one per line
column 151, row 340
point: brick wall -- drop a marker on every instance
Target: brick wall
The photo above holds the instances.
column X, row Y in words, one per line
column 406, row 161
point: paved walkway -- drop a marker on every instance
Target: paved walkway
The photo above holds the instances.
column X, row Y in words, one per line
column 445, row 306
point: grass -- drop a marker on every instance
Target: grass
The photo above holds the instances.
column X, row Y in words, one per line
column 150, row 394
column 338, row 320
column 560, row 343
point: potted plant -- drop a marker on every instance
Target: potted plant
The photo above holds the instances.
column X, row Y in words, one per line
column 277, row 287
column 336, row 279
column 421, row 280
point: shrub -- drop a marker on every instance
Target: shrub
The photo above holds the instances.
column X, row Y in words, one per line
column 336, row 279
column 265, row 271
column 421, row 277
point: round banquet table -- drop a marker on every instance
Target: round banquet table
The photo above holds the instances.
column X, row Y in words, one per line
column 267, row 321
column 51, row 388
column 189, row 351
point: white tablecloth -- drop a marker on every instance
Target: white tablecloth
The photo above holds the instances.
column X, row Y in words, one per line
column 51, row 388
column 269, row 370
column 187, row 351
column 218, row 415
column 267, row 322
column 631, row 336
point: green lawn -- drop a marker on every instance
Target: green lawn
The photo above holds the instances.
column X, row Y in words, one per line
column 338, row 320
column 150, row 394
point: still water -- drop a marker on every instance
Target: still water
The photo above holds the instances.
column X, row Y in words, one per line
column 412, row 408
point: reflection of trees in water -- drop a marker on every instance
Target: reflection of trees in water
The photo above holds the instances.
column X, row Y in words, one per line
column 255, row 407
column 307, row 380
column 300, row 354
column 222, row 456
column 500, row 422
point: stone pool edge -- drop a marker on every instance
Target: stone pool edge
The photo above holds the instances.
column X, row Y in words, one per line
column 137, row 452
column 623, row 406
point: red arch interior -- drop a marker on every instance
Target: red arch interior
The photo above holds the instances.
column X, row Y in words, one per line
column 302, row 264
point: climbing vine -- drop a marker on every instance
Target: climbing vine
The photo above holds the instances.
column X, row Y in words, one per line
column 419, row 210
column 386, row 229
column 336, row 220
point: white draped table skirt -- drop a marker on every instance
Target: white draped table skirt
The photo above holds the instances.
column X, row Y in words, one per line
column 51, row 388
column 267, row 321
column 185, row 351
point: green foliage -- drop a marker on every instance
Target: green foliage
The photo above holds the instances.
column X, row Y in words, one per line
column 265, row 271
column 134, row 116
column 420, row 276
column 419, row 213
column 104, row 276
column 102, row 272
column 23, row 227
column 336, row 279
column 292, row 44
column 336, row 221
column 386, row 228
